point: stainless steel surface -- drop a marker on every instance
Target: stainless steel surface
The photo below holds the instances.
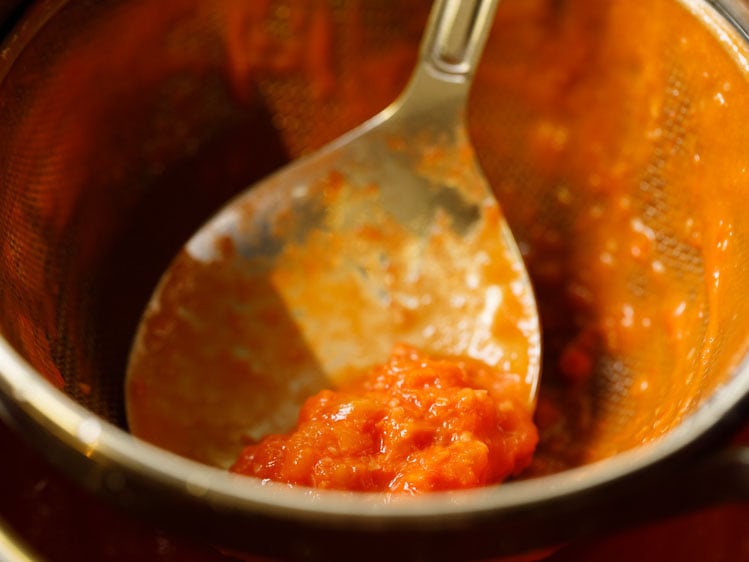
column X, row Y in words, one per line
column 439, row 222
column 12, row 549
column 57, row 327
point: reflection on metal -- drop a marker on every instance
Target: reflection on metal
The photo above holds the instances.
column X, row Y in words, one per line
column 12, row 548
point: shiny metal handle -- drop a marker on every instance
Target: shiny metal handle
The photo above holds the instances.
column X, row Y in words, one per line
column 456, row 34
column 454, row 39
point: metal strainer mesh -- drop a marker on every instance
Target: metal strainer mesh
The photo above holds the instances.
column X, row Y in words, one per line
column 611, row 131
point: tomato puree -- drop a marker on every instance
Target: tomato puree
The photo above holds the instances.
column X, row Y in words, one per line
column 413, row 424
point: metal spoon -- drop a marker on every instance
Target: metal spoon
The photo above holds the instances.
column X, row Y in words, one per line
column 389, row 234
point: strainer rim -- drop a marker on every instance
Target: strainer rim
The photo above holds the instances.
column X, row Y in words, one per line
column 112, row 446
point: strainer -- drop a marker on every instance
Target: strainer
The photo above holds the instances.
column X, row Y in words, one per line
column 124, row 126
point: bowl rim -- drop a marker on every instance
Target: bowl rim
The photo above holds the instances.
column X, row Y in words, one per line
column 85, row 433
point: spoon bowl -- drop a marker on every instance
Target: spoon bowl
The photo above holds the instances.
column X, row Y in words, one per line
column 389, row 234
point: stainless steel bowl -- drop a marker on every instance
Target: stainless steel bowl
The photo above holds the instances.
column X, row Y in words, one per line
column 124, row 127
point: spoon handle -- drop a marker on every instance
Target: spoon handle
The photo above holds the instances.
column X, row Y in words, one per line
column 455, row 36
column 454, row 39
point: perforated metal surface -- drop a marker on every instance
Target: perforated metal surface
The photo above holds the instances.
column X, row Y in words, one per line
column 125, row 127
column 114, row 151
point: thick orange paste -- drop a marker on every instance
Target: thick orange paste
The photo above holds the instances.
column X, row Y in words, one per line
column 414, row 424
